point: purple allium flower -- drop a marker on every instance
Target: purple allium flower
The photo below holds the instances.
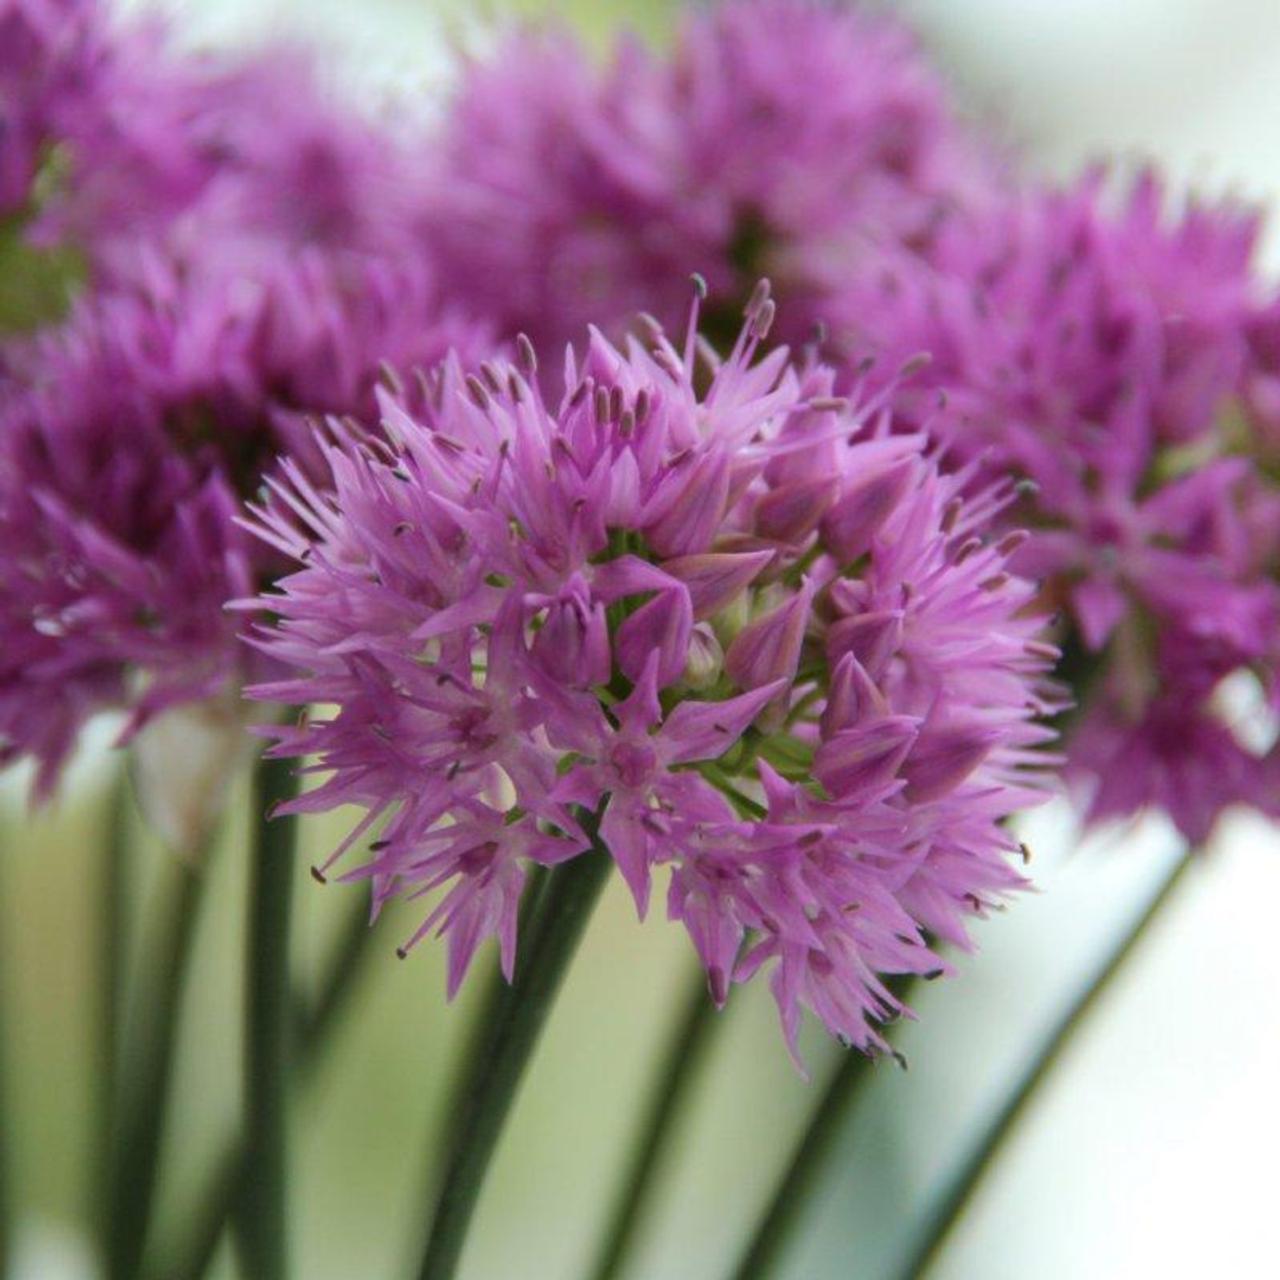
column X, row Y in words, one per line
column 128, row 439
column 49, row 55
column 760, row 636
column 1095, row 345
column 91, row 120
column 780, row 137
column 112, row 139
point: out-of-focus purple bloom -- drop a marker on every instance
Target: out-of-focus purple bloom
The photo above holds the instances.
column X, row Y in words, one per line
column 111, row 139
column 1096, row 345
column 820, row 747
column 780, row 137
column 128, row 439
column 49, row 61
column 92, row 118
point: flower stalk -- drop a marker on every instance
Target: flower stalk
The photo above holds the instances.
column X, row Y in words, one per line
column 263, row 1219
column 679, row 1071
column 113, row 932
column 145, row 1067
column 505, row 1044
column 811, row 1157
column 949, row 1205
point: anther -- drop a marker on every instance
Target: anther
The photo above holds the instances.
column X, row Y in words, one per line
column 762, row 321
column 390, row 378
column 951, row 514
column 526, row 355
column 479, row 396
column 759, row 296
column 913, row 364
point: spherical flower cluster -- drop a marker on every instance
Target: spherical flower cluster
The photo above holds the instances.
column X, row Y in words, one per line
column 1097, row 347
column 129, row 437
column 779, row 137
column 754, row 634
column 240, row 276
column 91, row 117
column 113, row 142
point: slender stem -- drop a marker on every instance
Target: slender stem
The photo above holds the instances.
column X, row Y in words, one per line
column 810, row 1157
column 313, row 1025
column 113, row 931
column 513, row 1027
column 262, row 1220
column 959, row 1190
column 215, row 1207
column 145, row 1066
column 686, row 1049
column 314, row 1019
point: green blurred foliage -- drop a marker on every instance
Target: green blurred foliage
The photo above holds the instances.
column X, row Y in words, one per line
column 36, row 285
column 598, row 20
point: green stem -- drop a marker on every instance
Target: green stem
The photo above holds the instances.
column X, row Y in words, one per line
column 113, row 931
column 145, row 1066
column 262, row 1219
column 950, row 1204
column 810, row 1157
column 686, row 1049
column 511, row 1034
column 313, row 1026
column 314, row 1020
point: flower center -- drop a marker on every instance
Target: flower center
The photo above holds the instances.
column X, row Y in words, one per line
column 633, row 763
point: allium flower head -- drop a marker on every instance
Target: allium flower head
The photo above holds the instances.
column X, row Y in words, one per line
column 128, row 440
column 1096, row 346
column 91, row 119
column 779, row 137
column 112, row 138
column 759, row 637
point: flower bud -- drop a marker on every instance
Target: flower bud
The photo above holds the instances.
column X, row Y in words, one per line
column 860, row 511
column 687, row 511
column 791, row 512
column 715, row 580
column 572, row 645
column 663, row 624
column 769, row 648
column 944, row 756
column 705, row 662
column 862, row 763
column 182, row 764
column 872, row 638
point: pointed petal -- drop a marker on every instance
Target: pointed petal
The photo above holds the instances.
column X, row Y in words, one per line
column 705, row 730
column 716, row 579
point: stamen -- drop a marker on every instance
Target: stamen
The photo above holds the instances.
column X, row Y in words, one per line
column 479, row 396
column 526, row 356
column 390, row 378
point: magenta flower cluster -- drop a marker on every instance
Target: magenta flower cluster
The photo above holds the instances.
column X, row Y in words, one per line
column 1118, row 353
column 751, row 630
column 763, row 620
column 779, row 138
column 1105, row 348
column 241, row 278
